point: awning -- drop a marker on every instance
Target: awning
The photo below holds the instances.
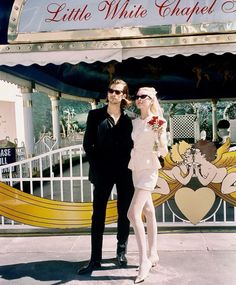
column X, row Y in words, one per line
column 185, row 50
column 118, row 50
column 60, row 56
column 193, row 77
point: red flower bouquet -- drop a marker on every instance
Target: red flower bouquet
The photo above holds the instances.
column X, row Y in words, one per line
column 155, row 123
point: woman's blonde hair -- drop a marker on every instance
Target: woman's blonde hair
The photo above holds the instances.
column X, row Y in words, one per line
column 152, row 93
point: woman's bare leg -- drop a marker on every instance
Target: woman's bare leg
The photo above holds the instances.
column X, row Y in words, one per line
column 135, row 216
column 150, row 214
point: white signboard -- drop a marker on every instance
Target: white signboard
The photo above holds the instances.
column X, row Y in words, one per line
column 58, row 15
column 70, row 20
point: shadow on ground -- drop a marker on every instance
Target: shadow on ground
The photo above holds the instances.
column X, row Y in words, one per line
column 59, row 271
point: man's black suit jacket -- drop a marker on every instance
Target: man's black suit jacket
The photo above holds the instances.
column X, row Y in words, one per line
column 107, row 145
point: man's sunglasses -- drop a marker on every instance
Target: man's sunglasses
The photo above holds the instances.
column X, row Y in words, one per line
column 117, row 92
column 144, row 96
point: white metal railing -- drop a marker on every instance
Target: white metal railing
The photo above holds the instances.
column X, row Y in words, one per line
column 62, row 175
column 47, row 143
column 42, row 175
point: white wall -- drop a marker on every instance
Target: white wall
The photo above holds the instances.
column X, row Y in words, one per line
column 11, row 112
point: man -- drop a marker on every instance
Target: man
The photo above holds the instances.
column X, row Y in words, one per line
column 108, row 143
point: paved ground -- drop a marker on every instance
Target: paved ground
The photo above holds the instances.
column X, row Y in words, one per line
column 198, row 258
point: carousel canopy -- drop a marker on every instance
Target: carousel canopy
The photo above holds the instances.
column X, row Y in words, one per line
column 180, row 68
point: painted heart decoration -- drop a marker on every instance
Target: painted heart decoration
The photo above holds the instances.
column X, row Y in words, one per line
column 195, row 204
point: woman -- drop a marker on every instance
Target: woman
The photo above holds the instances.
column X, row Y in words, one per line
column 150, row 142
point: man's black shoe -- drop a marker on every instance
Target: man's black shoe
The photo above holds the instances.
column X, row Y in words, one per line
column 93, row 265
column 121, row 259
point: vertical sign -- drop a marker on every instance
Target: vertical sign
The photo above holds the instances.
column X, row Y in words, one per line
column 7, row 155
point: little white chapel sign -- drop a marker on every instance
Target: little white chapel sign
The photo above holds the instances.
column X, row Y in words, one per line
column 78, row 15
column 48, row 15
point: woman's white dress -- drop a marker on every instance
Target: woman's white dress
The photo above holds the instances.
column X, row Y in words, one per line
column 144, row 161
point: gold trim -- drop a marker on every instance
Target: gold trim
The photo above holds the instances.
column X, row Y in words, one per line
column 111, row 34
column 120, row 44
column 14, row 19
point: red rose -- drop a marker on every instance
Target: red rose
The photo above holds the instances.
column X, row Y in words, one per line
column 155, row 122
column 161, row 122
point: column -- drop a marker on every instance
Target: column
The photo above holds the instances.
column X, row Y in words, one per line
column 214, row 120
column 28, row 121
column 55, row 119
